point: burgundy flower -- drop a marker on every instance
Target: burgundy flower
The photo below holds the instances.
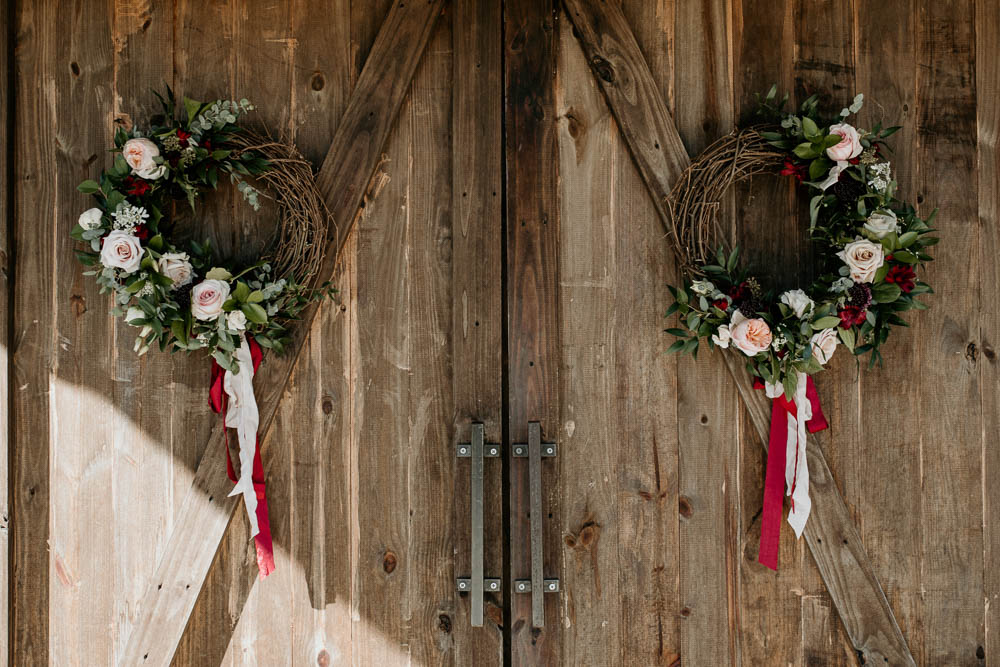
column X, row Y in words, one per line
column 903, row 276
column 136, row 186
column 183, row 137
column 791, row 168
column 142, row 233
column 721, row 304
column 852, row 316
column 739, row 292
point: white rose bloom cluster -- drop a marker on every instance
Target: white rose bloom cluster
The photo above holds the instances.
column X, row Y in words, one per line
column 121, row 251
column 882, row 223
column 863, row 258
column 141, row 154
column 799, row 302
column 91, row 219
column 177, row 267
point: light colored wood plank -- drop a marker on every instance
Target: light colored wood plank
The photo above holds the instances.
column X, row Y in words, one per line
column 532, row 308
column 476, row 313
column 988, row 126
column 650, row 511
column 589, row 327
column 167, row 604
column 948, row 402
column 707, row 405
column 840, row 556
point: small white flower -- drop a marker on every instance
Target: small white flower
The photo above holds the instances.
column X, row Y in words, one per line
column 798, row 301
column 91, row 218
column 127, row 217
column 881, row 176
column 236, row 321
column 722, row 336
column 702, row 287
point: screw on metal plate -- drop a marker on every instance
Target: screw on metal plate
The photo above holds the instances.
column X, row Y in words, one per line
column 464, row 585
column 524, row 586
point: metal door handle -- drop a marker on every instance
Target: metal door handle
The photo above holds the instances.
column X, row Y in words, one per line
column 538, row 586
column 477, row 450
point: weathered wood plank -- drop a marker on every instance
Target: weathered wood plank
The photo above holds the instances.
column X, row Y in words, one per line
column 948, row 398
column 588, row 300
column 707, row 404
column 143, row 463
column 768, row 232
column 355, row 153
column 988, row 125
column 532, row 306
column 650, row 509
column 62, row 360
column 6, row 301
column 477, row 315
column 632, row 96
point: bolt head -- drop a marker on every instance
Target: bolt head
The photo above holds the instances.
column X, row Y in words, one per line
column 461, row 584
column 493, row 587
column 462, row 450
column 552, row 587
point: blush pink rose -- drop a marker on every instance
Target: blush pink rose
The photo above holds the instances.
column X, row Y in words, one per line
column 207, row 298
column 750, row 336
column 850, row 143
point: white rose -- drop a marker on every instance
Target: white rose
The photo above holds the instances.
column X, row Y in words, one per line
column 236, row 321
column 863, row 258
column 833, row 175
column 207, row 298
column 750, row 336
column 121, row 251
column 797, row 300
column 823, row 344
column 139, row 154
column 773, row 390
column 91, row 218
column 850, row 143
column 134, row 314
column 177, row 267
column 722, row 336
column 882, row 223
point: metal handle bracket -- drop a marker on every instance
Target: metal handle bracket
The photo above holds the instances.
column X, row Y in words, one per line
column 477, row 584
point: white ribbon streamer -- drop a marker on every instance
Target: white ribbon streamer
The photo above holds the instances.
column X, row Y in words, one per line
column 796, row 466
column 242, row 415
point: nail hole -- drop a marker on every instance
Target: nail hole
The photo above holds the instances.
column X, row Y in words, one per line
column 531, row 363
column 75, row 69
column 317, row 82
column 477, row 323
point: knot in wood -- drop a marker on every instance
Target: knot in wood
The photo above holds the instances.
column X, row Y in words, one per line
column 603, row 69
column 389, row 562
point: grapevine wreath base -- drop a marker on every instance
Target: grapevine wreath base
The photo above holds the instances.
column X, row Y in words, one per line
column 176, row 292
column 869, row 245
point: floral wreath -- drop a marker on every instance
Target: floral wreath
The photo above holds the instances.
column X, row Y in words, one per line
column 175, row 292
column 870, row 244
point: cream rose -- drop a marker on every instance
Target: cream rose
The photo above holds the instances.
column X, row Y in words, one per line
column 91, row 218
column 139, row 154
column 750, row 336
column 849, row 145
column 121, row 251
column 823, row 344
column 177, row 267
column 863, row 258
column 207, row 298
column 722, row 337
column 882, row 223
column 236, row 321
column 797, row 300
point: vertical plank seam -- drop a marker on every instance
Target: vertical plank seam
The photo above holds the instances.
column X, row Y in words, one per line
column 10, row 17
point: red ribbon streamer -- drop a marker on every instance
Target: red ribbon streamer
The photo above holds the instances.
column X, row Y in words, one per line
column 774, row 478
column 218, row 400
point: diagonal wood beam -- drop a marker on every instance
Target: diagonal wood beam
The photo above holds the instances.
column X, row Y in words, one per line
column 656, row 148
column 344, row 178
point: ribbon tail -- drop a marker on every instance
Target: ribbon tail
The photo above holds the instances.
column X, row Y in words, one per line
column 798, row 469
column 818, row 421
column 774, row 483
column 262, row 540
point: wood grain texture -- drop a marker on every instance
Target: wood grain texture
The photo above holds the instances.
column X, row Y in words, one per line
column 167, row 604
column 532, row 305
column 988, row 126
column 7, row 326
column 948, row 400
column 861, row 603
column 707, row 406
column 477, row 317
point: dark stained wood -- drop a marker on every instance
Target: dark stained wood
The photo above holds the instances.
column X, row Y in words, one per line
column 948, row 399
column 477, row 317
column 6, row 299
column 532, row 306
column 988, row 124
column 169, row 599
column 841, row 558
column 707, row 405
